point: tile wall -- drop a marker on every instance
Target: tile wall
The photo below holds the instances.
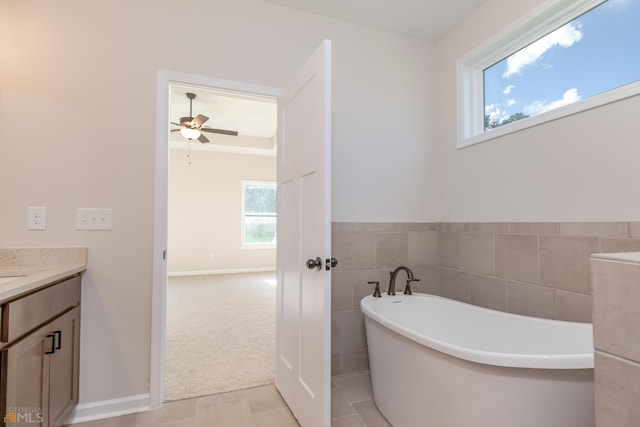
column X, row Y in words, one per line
column 616, row 293
column 537, row 269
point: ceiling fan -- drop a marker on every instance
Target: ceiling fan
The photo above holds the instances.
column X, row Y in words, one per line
column 191, row 127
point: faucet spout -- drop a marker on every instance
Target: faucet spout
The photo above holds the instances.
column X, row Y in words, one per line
column 394, row 274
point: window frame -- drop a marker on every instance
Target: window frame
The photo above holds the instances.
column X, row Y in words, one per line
column 243, row 245
column 548, row 17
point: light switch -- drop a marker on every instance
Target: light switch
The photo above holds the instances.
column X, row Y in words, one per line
column 93, row 219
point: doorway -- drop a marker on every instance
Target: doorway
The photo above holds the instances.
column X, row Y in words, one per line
column 220, row 330
column 201, row 259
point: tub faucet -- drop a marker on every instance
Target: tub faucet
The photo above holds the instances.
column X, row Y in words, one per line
column 392, row 282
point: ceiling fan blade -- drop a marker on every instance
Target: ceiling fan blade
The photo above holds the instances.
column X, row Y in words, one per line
column 203, row 138
column 186, row 121
column 199, row 120
column 220, row 131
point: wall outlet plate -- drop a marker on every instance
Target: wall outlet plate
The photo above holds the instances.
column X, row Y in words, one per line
column 36, row 218
column 93, row 219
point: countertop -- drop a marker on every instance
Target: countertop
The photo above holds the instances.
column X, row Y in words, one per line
column 25, row 270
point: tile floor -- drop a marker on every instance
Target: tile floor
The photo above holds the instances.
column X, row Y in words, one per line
column 351, row 406
column 352, row 402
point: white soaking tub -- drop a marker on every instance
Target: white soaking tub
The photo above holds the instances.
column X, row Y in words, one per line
column 437, row 362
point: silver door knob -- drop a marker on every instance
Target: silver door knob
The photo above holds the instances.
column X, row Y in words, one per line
column 314, row 264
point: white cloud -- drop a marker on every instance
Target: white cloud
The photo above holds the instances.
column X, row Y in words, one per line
column 564, row 36
column 538, row 107
column 510, row 102
column 494, row 112
column 507, row 90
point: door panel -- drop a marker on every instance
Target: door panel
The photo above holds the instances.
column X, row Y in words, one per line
column 303, row 322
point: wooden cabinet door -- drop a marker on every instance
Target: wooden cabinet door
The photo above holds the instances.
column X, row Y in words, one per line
column 25, row 371
column 63, row 374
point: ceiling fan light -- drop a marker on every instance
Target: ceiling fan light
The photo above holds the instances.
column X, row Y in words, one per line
column 190, row 133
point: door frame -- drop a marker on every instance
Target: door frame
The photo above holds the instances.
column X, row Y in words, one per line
column 160, row 217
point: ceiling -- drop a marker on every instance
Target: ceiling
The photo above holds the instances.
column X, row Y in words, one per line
column 254, row 117
column 424, row 19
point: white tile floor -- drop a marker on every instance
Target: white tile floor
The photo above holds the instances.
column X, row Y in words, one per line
column 351, row 406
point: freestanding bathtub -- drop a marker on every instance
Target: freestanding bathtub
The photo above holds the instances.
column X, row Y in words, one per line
column 437, row 362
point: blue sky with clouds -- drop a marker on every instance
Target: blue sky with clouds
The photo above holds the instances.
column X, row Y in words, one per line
column 596, row 52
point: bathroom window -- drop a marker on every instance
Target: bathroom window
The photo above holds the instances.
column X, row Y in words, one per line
column 258, row 214
column 573, row 56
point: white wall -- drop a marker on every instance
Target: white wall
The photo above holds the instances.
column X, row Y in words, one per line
column 205, row 211
column 578, row 168
column 77, row 129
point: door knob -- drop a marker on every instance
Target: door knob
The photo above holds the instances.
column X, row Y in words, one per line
column 314, row 264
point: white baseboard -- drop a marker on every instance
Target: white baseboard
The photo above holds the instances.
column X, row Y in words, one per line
column 109, row 408
column 226, row 271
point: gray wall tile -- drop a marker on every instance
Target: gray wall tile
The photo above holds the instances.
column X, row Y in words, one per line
column 341, row 290
column 489, row 292
column 455, row 285
column 517, row 257
column 564, row 262
column 354, row 361
column 531, row 300
column 477, row 253
column 392, row 249
column 354, row 250
column 490, row 227
column 449, row 249
column 574, row 307
column 347, row 331
column 347, row 226
column 455, row 226
column 596, row 229
column 617, row 391
column 423, row 248
column 538, row 228
column 608, row 245
column 616, row 307
column 430, row 280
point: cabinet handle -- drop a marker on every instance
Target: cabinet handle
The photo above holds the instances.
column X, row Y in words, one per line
column 59, row 334
column 53, row 344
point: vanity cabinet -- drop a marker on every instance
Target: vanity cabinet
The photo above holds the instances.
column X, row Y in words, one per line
column 40, row 334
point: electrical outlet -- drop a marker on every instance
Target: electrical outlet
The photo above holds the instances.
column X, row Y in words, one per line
column 93, row 219
column 36, row 218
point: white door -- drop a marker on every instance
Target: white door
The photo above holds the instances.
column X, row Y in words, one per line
column 303, row 307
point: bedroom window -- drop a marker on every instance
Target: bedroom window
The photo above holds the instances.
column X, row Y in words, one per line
column 258, row 214
column 576, row 55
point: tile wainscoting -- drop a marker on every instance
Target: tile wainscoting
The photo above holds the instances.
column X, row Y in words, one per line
column 616, row 292
column 538, row 269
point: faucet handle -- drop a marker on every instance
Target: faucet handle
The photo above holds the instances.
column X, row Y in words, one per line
column 376, row 291
column 407, row 288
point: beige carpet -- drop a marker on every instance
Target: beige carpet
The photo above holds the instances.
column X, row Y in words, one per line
column 220, row 334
